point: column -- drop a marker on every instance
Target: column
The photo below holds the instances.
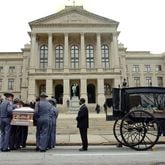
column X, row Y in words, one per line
column 66, row 95
column 49, row 87
column 31, row 90
column 66, row 55
column 33, row 53
column 98, row 62
column 50, row 52
column 83, row 57
column 100, row 89
column 115, row 51
column 83, row 89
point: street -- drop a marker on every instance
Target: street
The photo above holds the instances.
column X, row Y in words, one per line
column 96, row 155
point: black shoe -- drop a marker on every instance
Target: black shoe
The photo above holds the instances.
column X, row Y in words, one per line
column 37, row 149
column 83, row 149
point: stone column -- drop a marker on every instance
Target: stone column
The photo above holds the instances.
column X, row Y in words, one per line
column 32, row 90
column 49, row 87
column 83, row 89
column 50, row 52
column 115, row 51
column 18, row 80
column 100, row 89
column 142, row 78
column 5, row 79
column 66, row 94
column 33, row 53
column 83, row 56
column 98, row 59
column 66, row 55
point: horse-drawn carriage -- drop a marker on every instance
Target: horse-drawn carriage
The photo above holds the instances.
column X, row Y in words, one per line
column 139, row 115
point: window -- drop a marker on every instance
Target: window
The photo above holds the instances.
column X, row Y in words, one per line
column 90, row 57
column 59, row 59
column 10, row 84
column 107, row 89
column 158, row 68
column 1, row 69
column 0, row 84
column 74, row 57
column 135, row 68
column 105, row 56
column 43, row 56
column 148, row 81
column 11, row 69
column 137, row 81
column 160, row 81
column 147, row 68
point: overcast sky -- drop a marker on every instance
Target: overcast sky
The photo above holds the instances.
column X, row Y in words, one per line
column 142, row 22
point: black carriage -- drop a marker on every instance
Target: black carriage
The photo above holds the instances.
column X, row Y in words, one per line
column 139, row 115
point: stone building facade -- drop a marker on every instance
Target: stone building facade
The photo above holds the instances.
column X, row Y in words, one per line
column 75, row 46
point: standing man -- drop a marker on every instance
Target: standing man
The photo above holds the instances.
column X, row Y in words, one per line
column 83, row 124
column 42, row 115
column 5, row 119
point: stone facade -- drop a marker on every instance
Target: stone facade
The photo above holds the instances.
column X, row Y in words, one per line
column 71, row 47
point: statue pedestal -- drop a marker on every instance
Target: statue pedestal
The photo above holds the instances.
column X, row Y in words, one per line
column 74, row 104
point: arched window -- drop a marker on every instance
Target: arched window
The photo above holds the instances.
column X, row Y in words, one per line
column 42, row 88
column 59, row 57
column 105, row 56
column 74, row 57
column 90, row 56
column 107, row 89
column 43, row 56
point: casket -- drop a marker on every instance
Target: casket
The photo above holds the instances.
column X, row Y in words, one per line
column 23, row 116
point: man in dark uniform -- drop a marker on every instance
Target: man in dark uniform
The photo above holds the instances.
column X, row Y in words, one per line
column 83, row 124
column 5, row 119
column 42, row 115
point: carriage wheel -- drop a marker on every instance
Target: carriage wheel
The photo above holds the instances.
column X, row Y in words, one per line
column 139, row 130
column 116, row 132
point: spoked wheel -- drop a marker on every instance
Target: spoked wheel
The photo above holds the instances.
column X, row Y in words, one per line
column 116, row 132
column 139, row 130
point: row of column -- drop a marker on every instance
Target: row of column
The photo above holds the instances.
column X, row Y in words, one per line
column 33, row 57
column 32, row 90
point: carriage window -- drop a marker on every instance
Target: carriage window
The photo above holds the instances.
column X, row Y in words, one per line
column 147, row 101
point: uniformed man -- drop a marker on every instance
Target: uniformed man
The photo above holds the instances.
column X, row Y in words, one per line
column 42, row 115
column 53, row 117
column 5, row 118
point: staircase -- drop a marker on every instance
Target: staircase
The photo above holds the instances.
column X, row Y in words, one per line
column 67, row 124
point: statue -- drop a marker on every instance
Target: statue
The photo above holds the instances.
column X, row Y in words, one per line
column 74, row 89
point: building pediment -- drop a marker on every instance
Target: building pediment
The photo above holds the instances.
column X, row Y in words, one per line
column 73, row 15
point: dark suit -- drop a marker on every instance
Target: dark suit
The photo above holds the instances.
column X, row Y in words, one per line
column 83, row 124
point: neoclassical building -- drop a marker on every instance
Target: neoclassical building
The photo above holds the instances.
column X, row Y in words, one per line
column 75, row 46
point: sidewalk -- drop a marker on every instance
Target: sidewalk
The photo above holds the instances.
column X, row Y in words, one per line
column 74, row 139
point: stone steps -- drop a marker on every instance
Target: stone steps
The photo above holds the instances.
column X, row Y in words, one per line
column 97, row 125
column 67, row 124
